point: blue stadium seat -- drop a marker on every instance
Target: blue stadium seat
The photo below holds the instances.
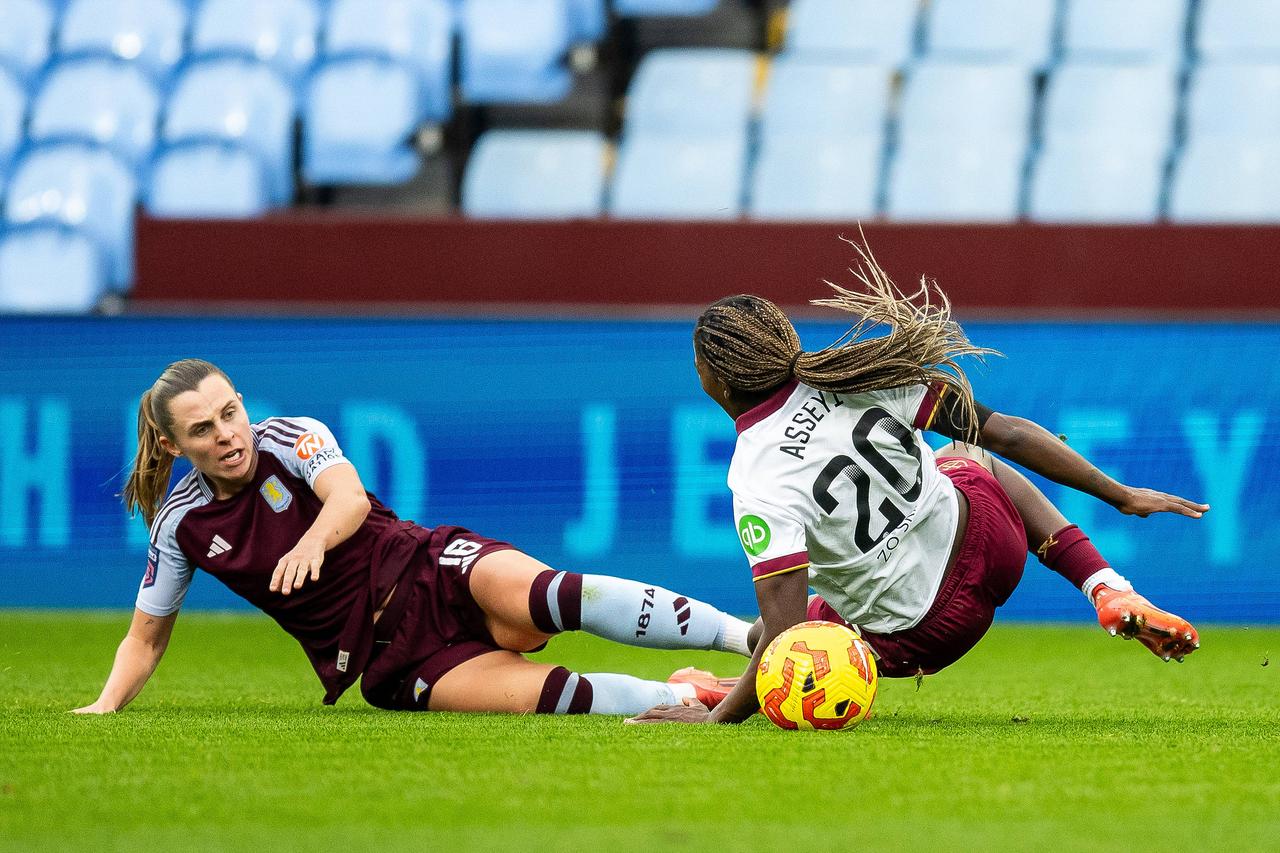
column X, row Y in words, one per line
column 650, row 8
column 955, row 98
column 242, row 101
column 109, row 101
column 419, row 32
column 1145, row 31
column 359, row 116
column 149, row 32
column 26, row 28
column 207, row 179
column 1227, row 180
column 13, row 109
column 818, row 97
column 692, row 91
column 816, row 177
column 1116, row 100
column 953, row 180
column 1103, row 178
column 83, row 187
column 672, row 177
column 281, row 33
column 880, row 32
column 50, row 268
column 513, row 51
column 588, row 20
column 1225, row 99
column 536, row 174
column 1238, row 30
column 1016, row 32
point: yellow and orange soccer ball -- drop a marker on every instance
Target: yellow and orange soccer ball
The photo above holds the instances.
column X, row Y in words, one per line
column 816, row 675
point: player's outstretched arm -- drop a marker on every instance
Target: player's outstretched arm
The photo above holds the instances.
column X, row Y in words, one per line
column 345, row 507
column 1035, row 448
column 136, row 659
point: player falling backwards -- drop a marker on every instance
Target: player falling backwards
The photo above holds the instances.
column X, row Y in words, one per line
column 432, row 618
column 830, row 475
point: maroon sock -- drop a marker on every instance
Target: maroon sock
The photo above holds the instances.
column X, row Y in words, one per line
column 565, row 689
column 555, row 599
column 1070, row 553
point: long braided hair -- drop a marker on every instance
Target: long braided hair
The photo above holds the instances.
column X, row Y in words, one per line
column 152, row 464
column 752, row 346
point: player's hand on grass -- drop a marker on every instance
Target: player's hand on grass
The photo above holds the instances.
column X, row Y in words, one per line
column 95, row 708
column 692, row 711
column 295, row 567
column 1144, row 502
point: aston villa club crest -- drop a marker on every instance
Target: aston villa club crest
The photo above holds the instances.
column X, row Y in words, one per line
column 277, row 496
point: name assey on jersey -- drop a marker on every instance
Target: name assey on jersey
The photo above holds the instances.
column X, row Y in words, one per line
column 802, row 424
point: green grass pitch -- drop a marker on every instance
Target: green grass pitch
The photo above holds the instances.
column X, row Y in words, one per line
column 1045, row 737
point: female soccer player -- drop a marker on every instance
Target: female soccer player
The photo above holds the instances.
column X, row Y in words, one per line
column 432, row 618
column 830, row 475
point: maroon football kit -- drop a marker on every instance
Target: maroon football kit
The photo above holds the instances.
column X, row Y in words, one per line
column 431, row 618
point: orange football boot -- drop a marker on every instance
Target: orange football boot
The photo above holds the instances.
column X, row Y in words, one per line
column 708, row 689
column 1129, row 615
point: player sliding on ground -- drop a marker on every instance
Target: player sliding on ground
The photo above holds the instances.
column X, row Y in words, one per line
column 830, row 475
column 432, row 618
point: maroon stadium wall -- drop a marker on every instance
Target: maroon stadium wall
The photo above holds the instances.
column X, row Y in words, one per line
column 644, row 267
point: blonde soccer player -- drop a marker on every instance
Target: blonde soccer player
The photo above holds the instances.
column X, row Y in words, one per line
column 428, row 618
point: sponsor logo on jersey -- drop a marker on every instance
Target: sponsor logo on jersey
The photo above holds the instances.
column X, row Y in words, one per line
column 418, row 687
column 343, row 658
column 754, row 533
column 952, row 464
column 307, row 445
column 277, row 496
column 153, row 562
column 218, row 546
column 322, row 458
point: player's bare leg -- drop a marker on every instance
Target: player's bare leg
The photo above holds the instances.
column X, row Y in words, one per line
column 506, row 682
column 1062, row 547
column 526, row 602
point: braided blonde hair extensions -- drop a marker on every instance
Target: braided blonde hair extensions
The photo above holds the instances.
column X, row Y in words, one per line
column 749, row 342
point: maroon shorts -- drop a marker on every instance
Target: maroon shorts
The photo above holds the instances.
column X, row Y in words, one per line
column 439, row 625
column 986, row 571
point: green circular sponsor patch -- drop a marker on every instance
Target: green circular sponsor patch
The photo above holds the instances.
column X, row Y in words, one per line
column 754, row 533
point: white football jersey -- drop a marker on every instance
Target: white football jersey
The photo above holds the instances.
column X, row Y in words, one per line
column 845, row 485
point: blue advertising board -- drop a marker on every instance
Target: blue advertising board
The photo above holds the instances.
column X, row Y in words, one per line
column 590, row 445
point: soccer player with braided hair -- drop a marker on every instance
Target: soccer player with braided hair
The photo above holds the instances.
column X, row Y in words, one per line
column 427, row 618
column 834, row 486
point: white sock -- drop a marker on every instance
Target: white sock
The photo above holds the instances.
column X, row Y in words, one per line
column 1104, row 577
column 612, row 693
column 645, row 615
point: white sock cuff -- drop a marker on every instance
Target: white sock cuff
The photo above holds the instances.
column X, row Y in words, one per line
column 732, row 636
column 1109, row 577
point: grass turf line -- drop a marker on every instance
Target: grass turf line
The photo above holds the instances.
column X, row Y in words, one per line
column 229, row 749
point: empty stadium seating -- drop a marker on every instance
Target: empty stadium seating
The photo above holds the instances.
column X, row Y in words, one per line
column 26, row 27
column 1143, row 31
column 695, row 92
column 359, row 115
column 1098, row 179
column 1229, row 99
column 108, row 101
column 831, row 99
column 816, row 177
column 536, row 174
column 881, row 32
column 241, row 101
column 663, row 7
column 1015, row 32
column 514, row 50
column 148, row 32
column 13, row 107
column 206, row 179
column 675, row 177
column 937, row 178
column 1239, row 30
column 1226, row 180
column 83, row 187
column 1118, row 100
column 49, row 268
column 418, row 32
column 281, row 33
